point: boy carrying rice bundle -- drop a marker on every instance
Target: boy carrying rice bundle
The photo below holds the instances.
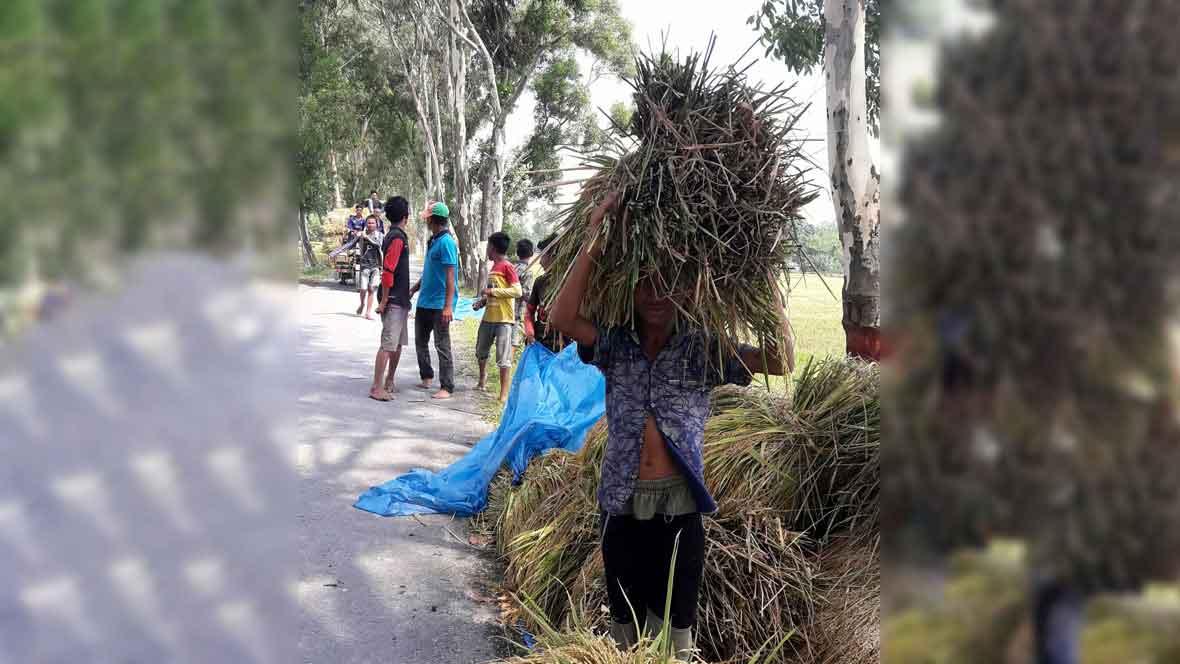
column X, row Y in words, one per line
column 659, row 372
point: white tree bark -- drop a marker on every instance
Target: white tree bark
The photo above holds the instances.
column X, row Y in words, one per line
column 855, row 179
column 334, row 173
column 457, row 95
column 305, row 240
column 422, row 92
column 467, row 32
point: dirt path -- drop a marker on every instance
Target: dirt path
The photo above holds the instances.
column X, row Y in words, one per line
column 378, row 589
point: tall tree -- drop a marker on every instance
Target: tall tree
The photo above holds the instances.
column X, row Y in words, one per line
column 515, row 42
column 843, row 36
column 354, row 124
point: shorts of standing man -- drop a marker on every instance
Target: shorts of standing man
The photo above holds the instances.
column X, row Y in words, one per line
column 395, row 328
column 501, row 335
column 370, row 278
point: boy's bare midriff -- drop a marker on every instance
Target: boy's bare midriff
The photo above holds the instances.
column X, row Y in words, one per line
column 655, row 461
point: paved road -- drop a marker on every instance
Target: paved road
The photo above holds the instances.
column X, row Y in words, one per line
column 379, row 590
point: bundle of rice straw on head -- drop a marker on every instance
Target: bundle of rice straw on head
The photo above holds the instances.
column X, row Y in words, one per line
column 711, row 192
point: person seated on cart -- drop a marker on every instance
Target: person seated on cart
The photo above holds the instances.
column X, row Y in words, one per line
column 355, row 225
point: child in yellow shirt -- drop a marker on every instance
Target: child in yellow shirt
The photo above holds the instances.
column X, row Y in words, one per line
column 499, row 316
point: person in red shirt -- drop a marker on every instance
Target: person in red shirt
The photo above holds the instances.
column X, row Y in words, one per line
column 394, row 303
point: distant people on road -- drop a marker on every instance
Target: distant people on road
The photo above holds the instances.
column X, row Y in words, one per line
column 523, row 265
column 499, row 303
column 439, row 294
column 373, row 202
column 355, row 224
column 370, row 266
column 394, row 304
column 536, row 319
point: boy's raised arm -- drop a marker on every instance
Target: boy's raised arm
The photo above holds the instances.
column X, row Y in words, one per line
column 565, row 315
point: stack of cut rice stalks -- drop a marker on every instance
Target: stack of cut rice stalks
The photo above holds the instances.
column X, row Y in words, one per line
column 712, row 179
column 792, row 555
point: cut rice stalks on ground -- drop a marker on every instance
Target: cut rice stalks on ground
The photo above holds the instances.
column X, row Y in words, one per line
column 814, row 457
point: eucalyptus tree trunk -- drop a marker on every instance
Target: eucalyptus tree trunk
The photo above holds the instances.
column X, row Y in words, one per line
column 305, row 240
column 499, row 152
column 457, row 95
column 334, row 173
column 438, row 147
column 856, row 182
column 485, row 215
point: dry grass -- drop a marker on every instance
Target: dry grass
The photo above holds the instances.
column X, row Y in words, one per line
column 712, row 182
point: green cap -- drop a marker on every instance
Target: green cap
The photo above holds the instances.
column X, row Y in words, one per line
column 439, row 209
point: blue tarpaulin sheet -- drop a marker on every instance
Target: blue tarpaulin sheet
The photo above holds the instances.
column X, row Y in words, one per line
column 462, row 310
column 553, row 403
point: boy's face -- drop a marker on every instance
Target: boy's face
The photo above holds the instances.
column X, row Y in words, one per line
column 652, row 308
column 371, row 224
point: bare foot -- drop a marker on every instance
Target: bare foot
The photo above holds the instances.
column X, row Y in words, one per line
column 392, row 389
column 379, row 395
column 423, row 385
column 360, row 309
column 441, row 395
column 368, row 317
column 481, row 388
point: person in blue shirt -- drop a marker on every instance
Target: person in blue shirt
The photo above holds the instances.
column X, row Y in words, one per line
column 356, row 221
column 438, row 294
column 659, row 374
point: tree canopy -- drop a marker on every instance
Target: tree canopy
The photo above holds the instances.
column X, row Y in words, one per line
column 793, row 31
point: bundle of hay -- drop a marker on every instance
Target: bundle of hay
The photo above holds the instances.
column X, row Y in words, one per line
column 847, row 624
column 546, row 527
column 758, row 587
column 765, row 578
column 814, row 457
column 712, row 183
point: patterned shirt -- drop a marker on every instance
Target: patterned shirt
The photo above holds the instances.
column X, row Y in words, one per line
column 674, row 389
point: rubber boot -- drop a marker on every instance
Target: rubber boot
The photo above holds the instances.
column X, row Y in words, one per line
column 625, row 635
column 682, row 645
column 652, row 625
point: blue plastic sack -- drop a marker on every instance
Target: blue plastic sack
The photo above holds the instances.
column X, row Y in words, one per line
column 553, row 403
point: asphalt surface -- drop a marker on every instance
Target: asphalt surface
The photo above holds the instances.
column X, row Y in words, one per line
column 180, row 456
column 405, row 590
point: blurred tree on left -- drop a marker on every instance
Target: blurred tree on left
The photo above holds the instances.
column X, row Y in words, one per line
column 131, row 125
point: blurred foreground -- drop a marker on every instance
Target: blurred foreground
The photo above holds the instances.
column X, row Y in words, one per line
column 148, row 473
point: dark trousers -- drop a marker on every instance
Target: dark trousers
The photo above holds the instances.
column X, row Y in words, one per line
column 427, row 322
column 638, row 555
